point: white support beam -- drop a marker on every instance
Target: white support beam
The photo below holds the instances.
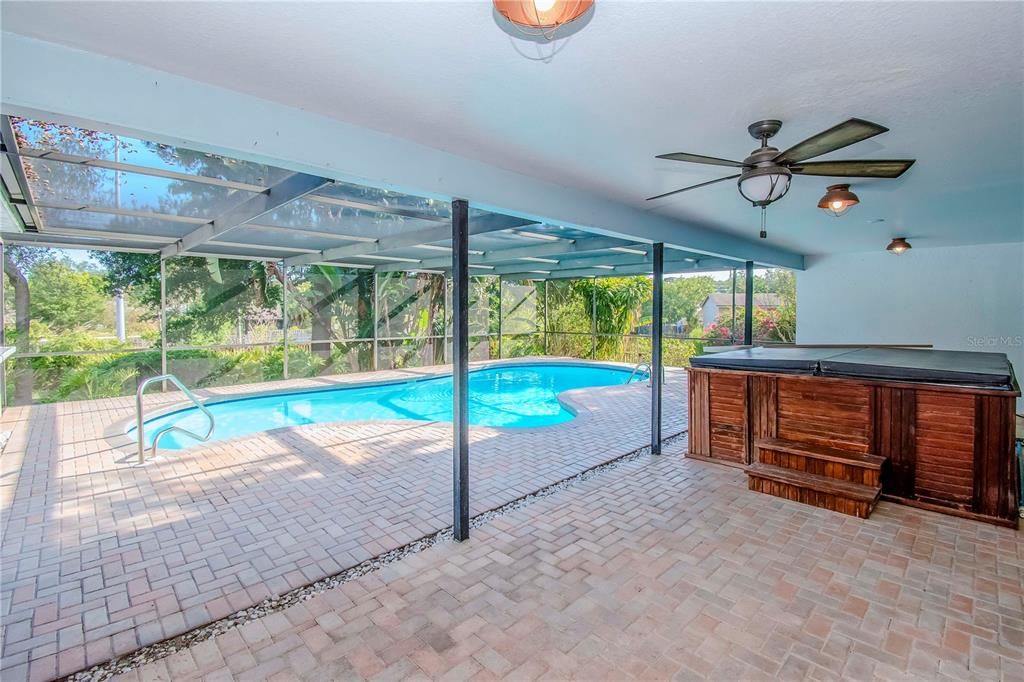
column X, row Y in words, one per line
column 49, row 81
column 321, row 234
column 541, row 249
column 126, row 212
column 619, row 262
column 10, row 141
column 291, row 188
column 75, row 160
column 477, row 225
column 58, row 242
column 671, row 267
column 57, row 230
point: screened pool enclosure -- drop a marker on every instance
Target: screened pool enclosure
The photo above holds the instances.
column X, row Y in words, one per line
column 126, row 259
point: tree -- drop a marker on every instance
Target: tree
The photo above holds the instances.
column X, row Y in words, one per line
column 66, row 298
column 18, row 260
column 683, row 297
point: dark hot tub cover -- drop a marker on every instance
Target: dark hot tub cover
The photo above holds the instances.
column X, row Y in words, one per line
column 924, row 365
column 965, row 368
column 788, row 360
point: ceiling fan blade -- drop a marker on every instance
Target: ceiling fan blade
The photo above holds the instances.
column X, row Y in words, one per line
column 686, row 189
column 698, row 158
column 867, row 168
column 836, row 137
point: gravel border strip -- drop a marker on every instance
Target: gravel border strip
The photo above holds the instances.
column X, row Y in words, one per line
column 162, row 649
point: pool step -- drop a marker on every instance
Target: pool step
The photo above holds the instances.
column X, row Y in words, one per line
column 822, row 476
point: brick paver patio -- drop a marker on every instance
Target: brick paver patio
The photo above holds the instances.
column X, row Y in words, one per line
column 664, row 568
column 100, row 557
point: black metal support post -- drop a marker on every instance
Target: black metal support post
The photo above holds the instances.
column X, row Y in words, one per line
column 501, row 318
column 460, row 367
column 732, row 329
column 593, row 318
column 748, row 305
column 656, row 362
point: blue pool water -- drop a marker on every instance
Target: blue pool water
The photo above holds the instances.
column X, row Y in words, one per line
column 511, row 396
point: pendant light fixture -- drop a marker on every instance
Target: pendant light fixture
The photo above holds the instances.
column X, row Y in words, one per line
column 898, row 246
column 542, row 17
column 838, row 200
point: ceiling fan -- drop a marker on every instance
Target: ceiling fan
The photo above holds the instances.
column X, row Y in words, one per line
column 766, row 173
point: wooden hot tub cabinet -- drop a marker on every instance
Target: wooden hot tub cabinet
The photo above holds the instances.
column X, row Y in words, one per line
column 841, row 442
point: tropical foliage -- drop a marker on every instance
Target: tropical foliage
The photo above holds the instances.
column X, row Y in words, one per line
column 226, row 319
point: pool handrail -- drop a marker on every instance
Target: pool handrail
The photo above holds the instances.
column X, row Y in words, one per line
column 642, row 365
column 140, row 423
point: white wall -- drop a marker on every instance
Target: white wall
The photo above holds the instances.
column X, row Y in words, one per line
column 957, row 298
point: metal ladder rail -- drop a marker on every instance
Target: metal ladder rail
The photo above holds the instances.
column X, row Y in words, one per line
column 141, row 425
column 640, row 365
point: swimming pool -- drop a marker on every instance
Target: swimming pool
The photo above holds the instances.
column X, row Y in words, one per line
column 517, row 396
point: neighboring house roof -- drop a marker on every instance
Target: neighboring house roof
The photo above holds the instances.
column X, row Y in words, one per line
column 760, row 300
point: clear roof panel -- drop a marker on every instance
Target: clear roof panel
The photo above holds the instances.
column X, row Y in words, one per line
column 558, row 231
column 388, row 200
column 89, row 186
column 73, row 185
column 90, row 220
column 271, row 235
column 38, row 136
column 309, row 214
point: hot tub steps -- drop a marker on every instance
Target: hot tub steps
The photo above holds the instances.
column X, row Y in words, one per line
column 820, row 491
column 822, row 476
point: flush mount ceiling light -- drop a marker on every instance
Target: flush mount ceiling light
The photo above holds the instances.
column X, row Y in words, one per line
column 898, row 245
column 838, row 200
column 542, row 17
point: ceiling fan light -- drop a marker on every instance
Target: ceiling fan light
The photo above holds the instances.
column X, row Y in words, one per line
column 898, row 245
column 762, row 186
column 838, row 200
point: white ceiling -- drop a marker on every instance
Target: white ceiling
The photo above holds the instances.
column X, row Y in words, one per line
column 640, row 79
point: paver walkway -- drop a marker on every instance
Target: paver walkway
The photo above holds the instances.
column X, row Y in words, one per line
column 100, row 557
column 663, row 568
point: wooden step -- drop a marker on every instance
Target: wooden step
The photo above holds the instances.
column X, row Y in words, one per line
column 814, row 489
column 821, row 452
column 841, row 465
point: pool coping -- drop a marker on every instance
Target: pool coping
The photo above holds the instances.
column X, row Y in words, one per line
column 116, row 433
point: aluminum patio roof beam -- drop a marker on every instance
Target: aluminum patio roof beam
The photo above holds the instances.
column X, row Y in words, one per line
column 291, row 188
column 671, row 267
column 492, row 222
column 58, row 241
column 54, row 230
column 10, row 142
column 128, row 212
column 75, row 160
column 540, row 250
column 617, row 259
column 47, row 80
column 613, row 259
column 337, row 236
